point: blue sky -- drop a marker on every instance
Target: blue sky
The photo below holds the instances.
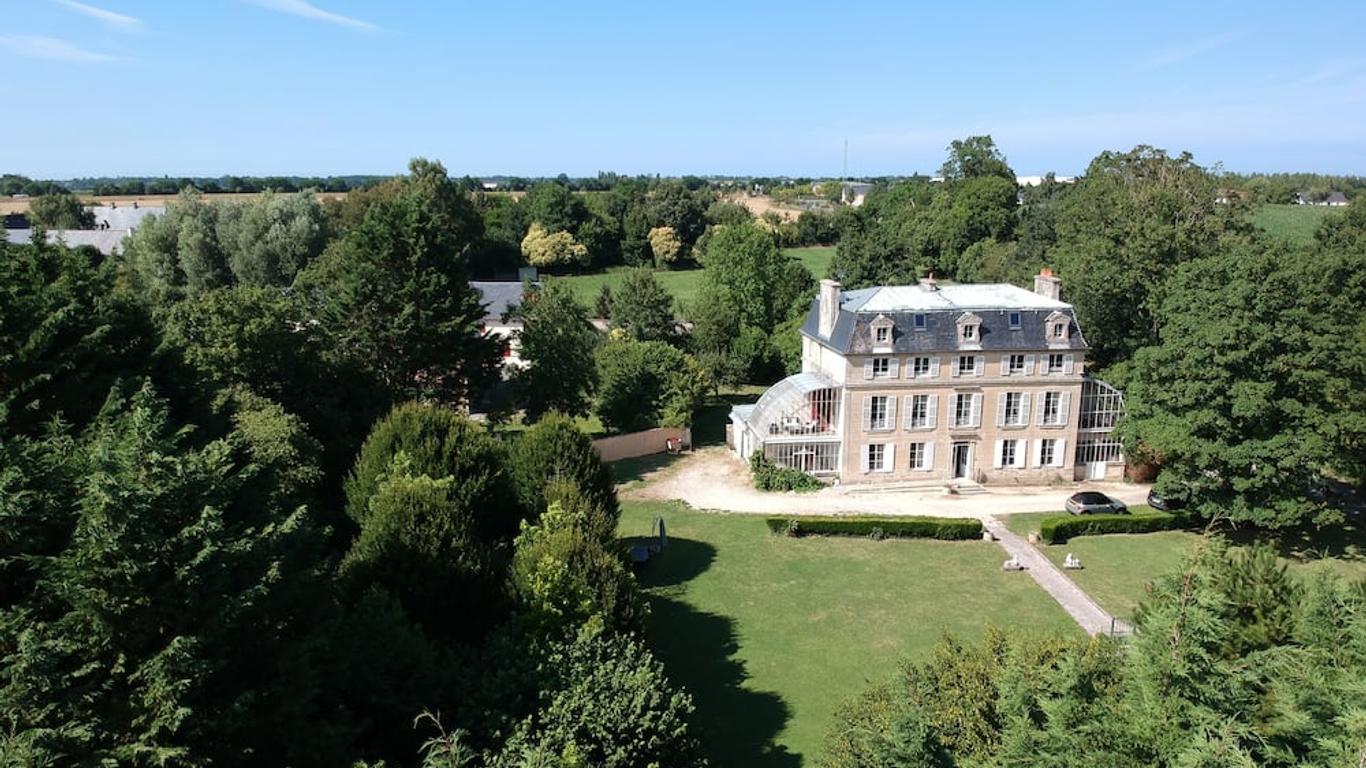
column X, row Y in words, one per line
column 206, row 87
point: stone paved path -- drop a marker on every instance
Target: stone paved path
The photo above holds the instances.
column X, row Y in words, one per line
column 1077, row 603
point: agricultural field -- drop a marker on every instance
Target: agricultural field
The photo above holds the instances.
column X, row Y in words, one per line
column 21, row 204
column 684, row 284
column 771, row 633
column 1296, row 223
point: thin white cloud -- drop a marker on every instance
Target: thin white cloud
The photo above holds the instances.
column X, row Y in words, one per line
column 1181, row 53
column 308, row 10
column 51, row 48
column 111, row 18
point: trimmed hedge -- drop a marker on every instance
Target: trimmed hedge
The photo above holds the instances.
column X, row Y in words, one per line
column 1056, row 530
column 948, row 528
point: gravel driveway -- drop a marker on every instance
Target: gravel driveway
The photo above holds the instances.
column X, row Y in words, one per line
column 713, row 478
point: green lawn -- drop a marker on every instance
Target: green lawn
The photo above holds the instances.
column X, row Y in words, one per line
column 1119, row 566
column 684, row 284
column 1296, row 223
column 816, row 259
column 771, row 633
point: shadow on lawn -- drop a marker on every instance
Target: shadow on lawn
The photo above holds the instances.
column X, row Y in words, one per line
column 737, row 726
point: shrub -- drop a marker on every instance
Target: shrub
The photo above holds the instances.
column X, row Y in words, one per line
column 555, row 449
column 1056, row 530
column 771, row 477
column 946, row 528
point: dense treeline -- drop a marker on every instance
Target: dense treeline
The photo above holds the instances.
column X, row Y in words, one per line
column 1283, row 188
column 243, row 520
column 1235, row 663
column 1242, row 357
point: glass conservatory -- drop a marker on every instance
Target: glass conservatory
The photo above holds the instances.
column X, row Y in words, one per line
column 796, row 423
column 1099, row 453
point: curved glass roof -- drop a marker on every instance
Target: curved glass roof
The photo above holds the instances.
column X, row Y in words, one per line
column 785, row 400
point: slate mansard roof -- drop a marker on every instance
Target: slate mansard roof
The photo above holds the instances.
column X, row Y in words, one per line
column 993, row 303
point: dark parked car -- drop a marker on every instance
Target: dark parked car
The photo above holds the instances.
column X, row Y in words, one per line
column 1092, row 503
column 1164, row 503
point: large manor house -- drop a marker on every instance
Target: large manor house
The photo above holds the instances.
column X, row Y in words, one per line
column 953, row 384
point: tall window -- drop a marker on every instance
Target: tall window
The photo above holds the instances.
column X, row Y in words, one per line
column 1017, row 364
column 878, row 412
column 920, row 367
column 962, row 410
column 967, row 365
column 920, row 411
column 1055, row 362
column 1047, row 449
column 1052, row 408
column 882, row 367
column 876, row 458
column 1013, row 414
column 1009, row 452
column 919, row 456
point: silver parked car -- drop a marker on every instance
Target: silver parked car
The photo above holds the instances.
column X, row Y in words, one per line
column 1092, row 503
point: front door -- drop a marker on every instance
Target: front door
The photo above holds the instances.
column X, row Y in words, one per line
column 962, row 460
column 1095, row 470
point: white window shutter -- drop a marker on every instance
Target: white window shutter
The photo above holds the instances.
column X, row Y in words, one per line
column 1024, row 408
column 1064, row 403
column 979, row 364
column 1038, row 452
column 1029, row 365
column 864, row 458
column 934, row 367
column 868, row 368
column 889, row 458
column 956, row 363
column 929, row 455
column 907, row 408
column 867, row 413
column 910, row 367
column 1005, row 365
column 932, row 412
column 996, row 454
column 976, row 411
column 891, row 412
column 1068, row 362
column 1001, row 410
column 1020, row 454
column 893, row 368
column 1059, row 453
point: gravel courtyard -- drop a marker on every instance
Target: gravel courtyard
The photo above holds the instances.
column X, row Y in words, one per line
column 712, row 478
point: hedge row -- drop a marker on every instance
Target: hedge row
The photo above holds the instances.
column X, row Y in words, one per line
column 1056, row 530
column 878, row 527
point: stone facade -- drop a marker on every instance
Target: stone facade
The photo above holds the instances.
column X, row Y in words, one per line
column 982, row 383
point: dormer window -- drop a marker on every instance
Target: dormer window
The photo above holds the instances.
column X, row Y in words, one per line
column 920, row 322
column 880, row 329
column 1057, row 326
column 969, row 329
column 1014, row 320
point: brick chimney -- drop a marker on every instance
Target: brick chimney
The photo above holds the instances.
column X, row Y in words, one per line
column 1046, row 284
column 830, row 306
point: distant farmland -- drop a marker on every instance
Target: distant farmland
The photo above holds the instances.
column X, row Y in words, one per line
column 20, row 205
column 1295, row 223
